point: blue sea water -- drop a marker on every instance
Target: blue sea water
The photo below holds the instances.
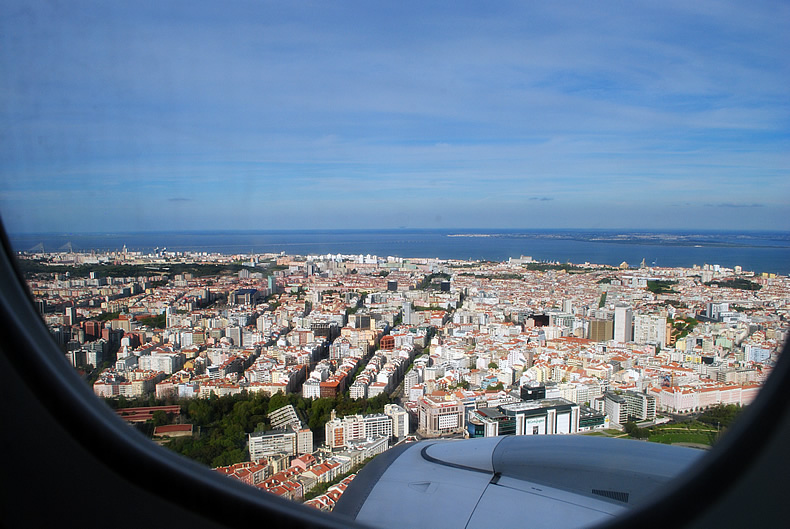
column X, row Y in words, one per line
column 755, row 251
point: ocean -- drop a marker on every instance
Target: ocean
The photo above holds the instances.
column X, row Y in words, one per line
column 754, row 251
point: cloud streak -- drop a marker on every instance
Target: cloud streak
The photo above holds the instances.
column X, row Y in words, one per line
column 733, row 205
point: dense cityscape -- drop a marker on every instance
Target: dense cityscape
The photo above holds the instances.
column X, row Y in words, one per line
column 291, row 372
column 395, row 265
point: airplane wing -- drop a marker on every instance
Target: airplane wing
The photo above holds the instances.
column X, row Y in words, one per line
column 534, row 481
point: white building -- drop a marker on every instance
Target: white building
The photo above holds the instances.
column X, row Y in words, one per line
column 339, row 432
column 282, row 417
column 543, row 417
column 272, row 442
column 358, row 390
column 650, row 328
column 304, row 441
column 615, row 408
column 640, row 406
column 623, row 324
column 400, row 420
column 311, row 389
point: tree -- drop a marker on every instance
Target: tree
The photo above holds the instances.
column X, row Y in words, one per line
column 660, row 287
column 463, row 384
column 277, row 401
column 721, row 415
column 635, row 431
column 602, row 301
column 231, row 457
column 642, row 433
column 493, row 365
column 159, row 417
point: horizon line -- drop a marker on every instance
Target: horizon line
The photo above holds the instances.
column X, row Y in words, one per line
column 372, row 230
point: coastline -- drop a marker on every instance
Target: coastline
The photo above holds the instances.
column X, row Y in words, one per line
column 762, row 251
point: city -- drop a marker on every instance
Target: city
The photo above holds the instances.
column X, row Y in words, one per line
column 346, row 264
column 323, row 362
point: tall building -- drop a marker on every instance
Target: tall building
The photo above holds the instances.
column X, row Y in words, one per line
column 640, row 406
column 650, row 328
column 71, row 315
column 629, row 406
column 92, row 330
column 235, row 334
column 407, row 312
column 243, row 296
column 600, row 330
column 304, row 441
column 284, row 420
column 567, row 306
column 272, row 442
column 400, row 420
column 616, row 408
column 714, row 310
column 623, row 323
column 361, row 321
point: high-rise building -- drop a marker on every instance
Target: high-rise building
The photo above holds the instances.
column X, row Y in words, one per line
column 361, row 321
column 71, row 315
column 567, row 306
column 623, row 323
column 600, row 330
column 650, row 328
column 407, row 312
column 400, row 420
column 92, row 330
column 714, row 310
column 304, row 441
column 616, row 408
column 272, row 442
column 640, row 406
column 235, row 334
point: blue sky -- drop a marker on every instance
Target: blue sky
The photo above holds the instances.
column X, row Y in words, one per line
column 125, row 116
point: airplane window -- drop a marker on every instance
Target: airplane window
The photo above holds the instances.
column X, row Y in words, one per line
column 304, row 245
